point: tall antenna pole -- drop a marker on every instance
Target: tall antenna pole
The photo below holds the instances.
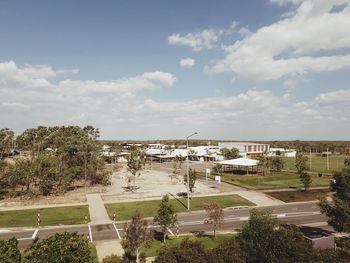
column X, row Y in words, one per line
column 327, row 160
column 310, row 159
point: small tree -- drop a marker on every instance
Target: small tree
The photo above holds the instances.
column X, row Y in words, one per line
column 277, row 163
column 218, row 168
column 347, row 162
column 215, row 215
column 9, row 252
column 306, row 180
column 301, row 165
column 265, row 164
column 166, row 216
column 177, row 164
column 136, row 160
column 136, row 235
column 192, row 174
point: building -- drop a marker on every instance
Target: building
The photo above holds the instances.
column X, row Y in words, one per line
column 282, row 152
column 247, row 149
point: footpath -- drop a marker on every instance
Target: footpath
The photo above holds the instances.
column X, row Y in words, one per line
column 98, row 215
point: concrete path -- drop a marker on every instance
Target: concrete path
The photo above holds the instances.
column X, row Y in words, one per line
column 98, row 213
column 106, row 248
column 260, row 199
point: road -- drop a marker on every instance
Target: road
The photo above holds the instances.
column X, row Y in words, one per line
column 298, row 214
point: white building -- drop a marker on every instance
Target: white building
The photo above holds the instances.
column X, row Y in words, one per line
column 247, row 148
column 282, row 152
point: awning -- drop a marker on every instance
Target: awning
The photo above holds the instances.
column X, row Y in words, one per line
column 240, row 162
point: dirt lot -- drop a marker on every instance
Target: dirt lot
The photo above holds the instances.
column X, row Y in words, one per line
column 155, row 181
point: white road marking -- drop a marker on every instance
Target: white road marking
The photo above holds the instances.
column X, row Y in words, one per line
column 35, row 233
column 116, row 230
column 281, row 215
column 244, row 218
column 171, row 232
column 90, row 233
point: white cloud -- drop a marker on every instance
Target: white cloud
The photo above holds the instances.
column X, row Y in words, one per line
column 187, row 62
column 285, row 2
column 205, row 39
column 292, row 46
column 334, row 98
column 252, row 114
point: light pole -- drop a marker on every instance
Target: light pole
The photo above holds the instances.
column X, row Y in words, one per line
column 188, row 172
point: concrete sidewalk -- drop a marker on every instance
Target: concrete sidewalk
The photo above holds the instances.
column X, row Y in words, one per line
column 260, row 199
column 98, row 213
column 106, row 248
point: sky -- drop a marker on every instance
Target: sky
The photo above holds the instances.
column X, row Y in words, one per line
column 229, row 70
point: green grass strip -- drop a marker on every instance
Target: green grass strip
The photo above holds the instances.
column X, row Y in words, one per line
column 125, row 210
column 68, row 215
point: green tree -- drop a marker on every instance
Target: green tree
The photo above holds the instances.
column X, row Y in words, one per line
column 218, row 168
column 9, row 252
column 136, row 160
column 113, row 259
column 230, row 250
column 188, row 251
column 192, row 174
column 265, row 164
column 177, row 164
column 306, row 180
column 338, row 211
column 264, row 240
column 136, row 235
column 6, row 142
column 215, row 215
column 229, row 154
column 347, row 162
column 301, row 165
column 166, row 216
column 59, row 248
column 277, row 163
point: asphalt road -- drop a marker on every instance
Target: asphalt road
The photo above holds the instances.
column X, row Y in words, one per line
column 298, row 214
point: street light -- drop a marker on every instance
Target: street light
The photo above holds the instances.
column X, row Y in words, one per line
column 188, row 172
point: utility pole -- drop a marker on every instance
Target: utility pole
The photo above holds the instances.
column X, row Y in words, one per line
column 327, row 160
column 188, row 172
column 310, row 159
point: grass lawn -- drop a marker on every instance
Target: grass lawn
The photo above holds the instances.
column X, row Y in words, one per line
column 124, row 211
column 319, row 164
column 93, row 253
column 208, row 242
column 68, row 215
column 272, row 181
column 297, row 196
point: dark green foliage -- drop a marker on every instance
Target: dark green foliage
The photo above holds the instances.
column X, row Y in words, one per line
column 60, row 248
column 187, row 252
column 338, row 212
column 230, row 250
column 9, row 252
column 56, row 158
column 264, row 240
column 113, row 259
column 230, row 154
column 166, row 216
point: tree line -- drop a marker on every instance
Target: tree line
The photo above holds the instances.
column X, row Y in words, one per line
column 53, row 159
